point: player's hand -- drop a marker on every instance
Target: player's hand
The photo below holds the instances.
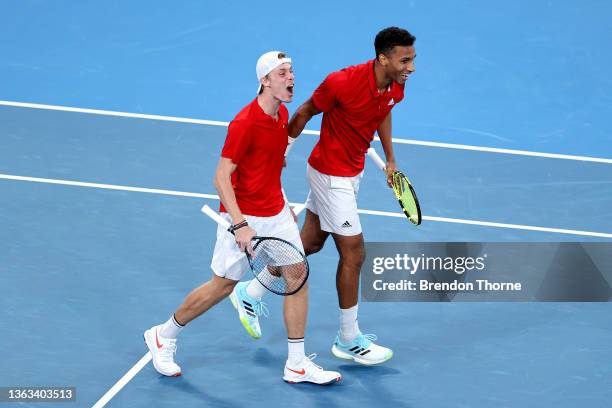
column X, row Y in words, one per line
column 244, row 236
column 390, row 168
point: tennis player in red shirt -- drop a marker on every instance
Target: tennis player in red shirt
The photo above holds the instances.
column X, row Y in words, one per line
column 356, row 102
column 248, row 179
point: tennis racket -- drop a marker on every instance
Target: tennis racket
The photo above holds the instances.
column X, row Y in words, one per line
column 278, row 264
column 403, row 190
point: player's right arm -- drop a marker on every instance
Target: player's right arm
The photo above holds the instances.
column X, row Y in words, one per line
column 223, row 184
column 301, row 116
column 233, row 153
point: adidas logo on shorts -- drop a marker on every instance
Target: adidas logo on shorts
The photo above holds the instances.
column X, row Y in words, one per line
column 346, row 225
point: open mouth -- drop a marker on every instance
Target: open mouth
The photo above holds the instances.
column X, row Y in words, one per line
column 405, row 76
column 290, row 89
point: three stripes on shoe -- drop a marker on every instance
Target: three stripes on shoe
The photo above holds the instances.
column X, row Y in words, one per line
column 249, row 308
column 360, row 350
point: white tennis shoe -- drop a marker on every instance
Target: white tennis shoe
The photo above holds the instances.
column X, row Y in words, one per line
column 362, row 350
column 307, row 371
column 162, row 352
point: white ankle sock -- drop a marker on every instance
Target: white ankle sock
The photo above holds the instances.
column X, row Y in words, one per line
column 296, row 351
column 349, row 328
column 255, row 289
column 170, row 329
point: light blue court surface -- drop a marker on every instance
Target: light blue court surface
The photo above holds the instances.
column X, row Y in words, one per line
column 85, row 270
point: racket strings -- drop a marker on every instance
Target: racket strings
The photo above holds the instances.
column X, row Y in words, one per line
column 401, row 186
column 279, row 266
column 406, row 197
column 398, row 182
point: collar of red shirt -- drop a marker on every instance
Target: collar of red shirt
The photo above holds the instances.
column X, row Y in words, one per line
column 372, row 79
column 261, row 115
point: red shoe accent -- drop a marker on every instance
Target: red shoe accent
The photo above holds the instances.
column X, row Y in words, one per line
column 157, row 340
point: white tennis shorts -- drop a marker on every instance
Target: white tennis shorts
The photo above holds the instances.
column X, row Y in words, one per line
column 229, row 262
column 334, row 200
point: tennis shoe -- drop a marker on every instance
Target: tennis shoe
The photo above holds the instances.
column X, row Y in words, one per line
column 362, row 350
column 308, row 371
column 249, row 309
column 162, row 352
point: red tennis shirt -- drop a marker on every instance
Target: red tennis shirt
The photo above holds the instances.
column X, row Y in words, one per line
column 353, row 109
column 256, row 143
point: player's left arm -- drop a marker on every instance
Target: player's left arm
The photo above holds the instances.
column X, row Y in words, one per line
column 384, row 133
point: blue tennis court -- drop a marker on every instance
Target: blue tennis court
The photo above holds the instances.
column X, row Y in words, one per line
column 102, row 236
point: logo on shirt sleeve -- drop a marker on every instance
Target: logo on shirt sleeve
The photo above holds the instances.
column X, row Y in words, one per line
column 391, row 102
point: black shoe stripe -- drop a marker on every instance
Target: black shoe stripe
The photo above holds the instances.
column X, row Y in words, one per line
column 250, row 309
column 247, row 303
column 251, row 314
column 354, row 348
column 365, row 352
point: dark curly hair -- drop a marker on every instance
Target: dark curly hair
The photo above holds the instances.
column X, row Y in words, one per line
column 390, row 37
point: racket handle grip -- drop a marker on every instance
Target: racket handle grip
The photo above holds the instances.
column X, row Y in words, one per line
column 290, row 142
column 298, row 208
column 215, row 217
column 376, row 158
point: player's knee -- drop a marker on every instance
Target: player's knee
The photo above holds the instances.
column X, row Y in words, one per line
column 227, row 289
column 354, row 256
column 312, row 248
column 304, row 289
column 359, row 258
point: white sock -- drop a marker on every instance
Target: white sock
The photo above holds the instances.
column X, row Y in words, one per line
column 255, row 289
column 170, row 329
column 349, row 328
column 296, row 351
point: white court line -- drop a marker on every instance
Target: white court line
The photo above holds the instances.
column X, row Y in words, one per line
column 307, row 132
column 108, row 186
column 112, row 113
column 492, row 224
column 298, row 205
column 123, row 381
column 503, row 151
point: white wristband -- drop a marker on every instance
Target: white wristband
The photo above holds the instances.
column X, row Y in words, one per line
column 290, row 141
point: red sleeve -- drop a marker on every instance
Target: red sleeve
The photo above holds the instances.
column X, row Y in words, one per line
column 325, row 96
column 236, row 142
